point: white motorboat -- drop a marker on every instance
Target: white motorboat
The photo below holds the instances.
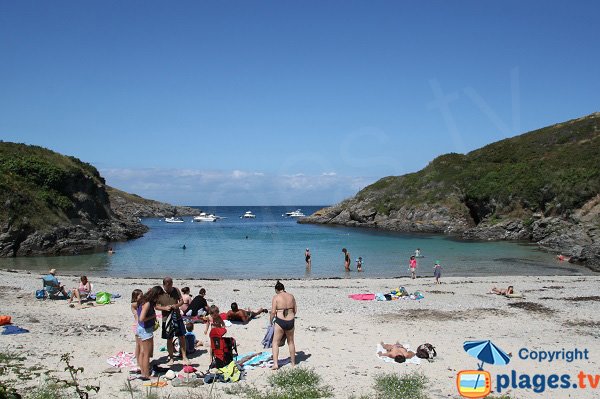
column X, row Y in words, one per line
column 203, row 217
column 248, row 215
column 174, row 220
column 295, row 214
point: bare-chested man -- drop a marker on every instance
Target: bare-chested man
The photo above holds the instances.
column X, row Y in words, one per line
column 397, row 352
column 243, row 315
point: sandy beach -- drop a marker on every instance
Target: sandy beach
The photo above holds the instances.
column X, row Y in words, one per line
column 335, row 335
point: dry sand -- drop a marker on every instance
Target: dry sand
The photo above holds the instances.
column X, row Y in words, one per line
column 335, row 335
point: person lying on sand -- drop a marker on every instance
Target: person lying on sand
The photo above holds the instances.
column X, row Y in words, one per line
column 502, row 291
column 397, row 352
column 237, row 314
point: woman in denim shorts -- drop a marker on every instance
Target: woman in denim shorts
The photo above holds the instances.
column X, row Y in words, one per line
column 145, row 328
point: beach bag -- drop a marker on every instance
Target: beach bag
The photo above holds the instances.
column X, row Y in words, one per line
column 103, row 298
column 4, row 320
column 171, row 324
column 426, row 351
column 40, row 294
column 231, row 372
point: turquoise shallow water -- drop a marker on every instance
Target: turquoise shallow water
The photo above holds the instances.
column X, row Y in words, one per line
column 274, row 248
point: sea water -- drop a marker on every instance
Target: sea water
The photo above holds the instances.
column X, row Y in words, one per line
column 272, row 246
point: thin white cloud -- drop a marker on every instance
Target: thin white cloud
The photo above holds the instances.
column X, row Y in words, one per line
column 234, row 187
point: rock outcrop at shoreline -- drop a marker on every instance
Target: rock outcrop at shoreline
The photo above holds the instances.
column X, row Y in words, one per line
column 57, row 205
column 541, row 187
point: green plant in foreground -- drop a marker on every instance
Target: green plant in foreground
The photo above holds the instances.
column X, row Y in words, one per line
column 295, row 383
column 394, row 386
column 8, row 392
column 82, row 392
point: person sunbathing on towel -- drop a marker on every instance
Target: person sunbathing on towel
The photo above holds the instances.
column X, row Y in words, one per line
column 237, row 314
column 502, row 291
column 397, row 352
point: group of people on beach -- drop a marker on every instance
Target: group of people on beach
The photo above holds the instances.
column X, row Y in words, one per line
column 179, row 311
column 412, row 267
column 412, row 263
column 81, row 292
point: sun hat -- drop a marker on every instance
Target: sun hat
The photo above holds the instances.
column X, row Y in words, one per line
column 437, row 262
column 189, row 369
column 52, row 271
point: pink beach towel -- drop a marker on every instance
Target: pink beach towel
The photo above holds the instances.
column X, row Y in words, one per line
column 362, row 297
column 122, row 359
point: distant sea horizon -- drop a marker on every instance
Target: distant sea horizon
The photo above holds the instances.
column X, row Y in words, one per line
column 273, row 245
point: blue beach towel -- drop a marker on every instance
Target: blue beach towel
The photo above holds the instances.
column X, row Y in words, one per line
column 10, row 330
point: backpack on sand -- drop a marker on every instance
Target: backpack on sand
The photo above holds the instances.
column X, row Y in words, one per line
column 426, row 351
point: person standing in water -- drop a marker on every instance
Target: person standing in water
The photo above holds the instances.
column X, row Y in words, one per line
column 346, row 259
column 418, row 253
column 307, row 258
column 359, row 264
column 413, row 267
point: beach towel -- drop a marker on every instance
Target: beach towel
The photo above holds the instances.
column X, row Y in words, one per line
column 122, row 359
column 412, row 360
column 267, row 341
column 362, row 297
column 515, row 295
column 156, row 384
column 10, row 330
column 254, row 361
column 92, row 297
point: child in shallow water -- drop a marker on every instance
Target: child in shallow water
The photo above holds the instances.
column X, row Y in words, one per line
column 359, row 264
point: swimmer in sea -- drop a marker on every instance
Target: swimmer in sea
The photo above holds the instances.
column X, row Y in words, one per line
column 359, row 264
column 307, row 258
column 346, row 259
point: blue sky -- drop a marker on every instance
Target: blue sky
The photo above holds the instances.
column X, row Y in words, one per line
column 281, row 102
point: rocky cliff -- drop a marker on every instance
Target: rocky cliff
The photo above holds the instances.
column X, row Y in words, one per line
column 57, row 205
column 542, row 186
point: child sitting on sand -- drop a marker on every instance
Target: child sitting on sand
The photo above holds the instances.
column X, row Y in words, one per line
column 502, row 291
column 191, row 343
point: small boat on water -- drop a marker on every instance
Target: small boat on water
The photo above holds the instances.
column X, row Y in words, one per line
column 203, row 217
column 295, row 214
column 174, row 220
column 248, row 215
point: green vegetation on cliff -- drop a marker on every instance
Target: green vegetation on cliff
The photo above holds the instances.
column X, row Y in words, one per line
column 551, row 170
column 41, row 188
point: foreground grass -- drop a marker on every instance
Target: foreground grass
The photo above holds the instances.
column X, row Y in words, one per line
column 395, row 386
column 296, row 383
